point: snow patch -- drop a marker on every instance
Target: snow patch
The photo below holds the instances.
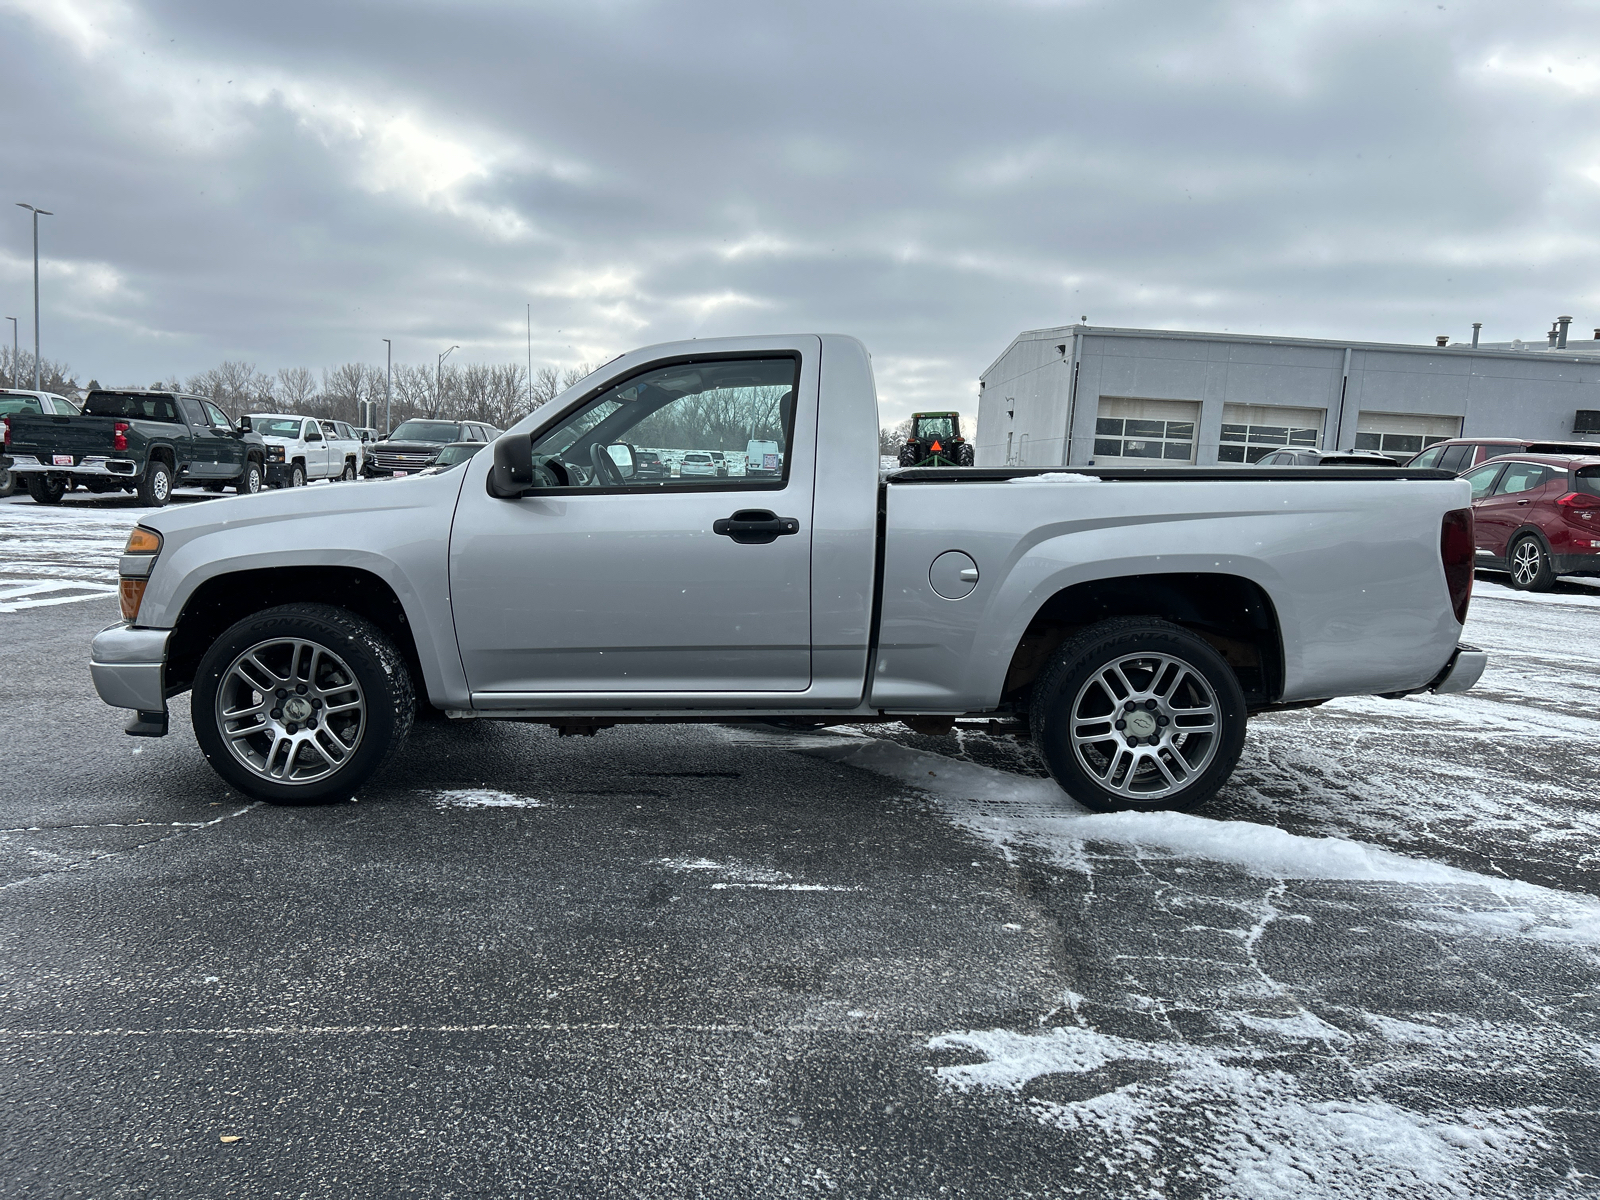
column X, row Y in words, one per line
column 484, row 798
column 736, row 875
column 1256, row 1132
column 1010, row 810
column 1054, row 477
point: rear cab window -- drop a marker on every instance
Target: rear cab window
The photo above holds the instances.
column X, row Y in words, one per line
column 131, row 406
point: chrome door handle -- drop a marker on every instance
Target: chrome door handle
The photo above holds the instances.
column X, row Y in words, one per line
column 1521, row 501
column 755, row 526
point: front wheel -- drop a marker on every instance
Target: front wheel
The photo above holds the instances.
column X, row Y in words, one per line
column 349, row 473
column 1530, row 566
column 1137, row 713
column 300, row 704
column 297, row 475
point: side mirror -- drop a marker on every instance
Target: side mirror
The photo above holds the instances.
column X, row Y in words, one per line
column 512, row 473
column 244, row 424
column 622, row 454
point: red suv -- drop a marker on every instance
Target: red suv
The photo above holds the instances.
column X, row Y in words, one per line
column 1537, row 516
column 1458, row 454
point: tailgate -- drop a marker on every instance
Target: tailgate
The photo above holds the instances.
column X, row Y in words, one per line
column 43, row 436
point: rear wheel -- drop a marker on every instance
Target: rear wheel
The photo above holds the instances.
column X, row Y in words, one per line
column 155, row 489
column 965, row 455
column 1138, row 713
column 8, row 483
column 1531, row 570
column 300, row 704
column 45, row 489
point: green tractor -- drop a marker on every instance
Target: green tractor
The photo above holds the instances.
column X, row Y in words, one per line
column 935, row 441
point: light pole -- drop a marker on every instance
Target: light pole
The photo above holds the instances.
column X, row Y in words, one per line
column 13, row 321
column 530, row 357
column 37, row 213
column 388, row 382
column 438, row 391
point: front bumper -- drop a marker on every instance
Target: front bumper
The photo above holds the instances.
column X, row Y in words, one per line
column 92, row 464
column 128, row 667
column 1463, row 670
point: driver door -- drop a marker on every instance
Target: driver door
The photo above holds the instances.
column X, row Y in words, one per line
column 623, row 585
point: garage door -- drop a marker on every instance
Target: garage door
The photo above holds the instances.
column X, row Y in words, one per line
column 1251, row 430
column 1129, row 432
column 1403, row 433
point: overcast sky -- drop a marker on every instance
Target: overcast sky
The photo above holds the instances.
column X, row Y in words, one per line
column 288, row 183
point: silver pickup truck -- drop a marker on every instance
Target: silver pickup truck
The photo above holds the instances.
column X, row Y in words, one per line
column 1128, row 621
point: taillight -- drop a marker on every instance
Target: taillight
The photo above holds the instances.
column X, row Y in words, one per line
column 119, row 436
column 1579, row 504
column 1458, row 552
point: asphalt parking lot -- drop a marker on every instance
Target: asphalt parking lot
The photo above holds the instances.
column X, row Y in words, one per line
column 730, row 961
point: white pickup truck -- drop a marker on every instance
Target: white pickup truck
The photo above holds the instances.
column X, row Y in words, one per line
column 1127, row 620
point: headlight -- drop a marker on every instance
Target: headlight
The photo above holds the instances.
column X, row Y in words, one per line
column 275, row 452
column 138, row 557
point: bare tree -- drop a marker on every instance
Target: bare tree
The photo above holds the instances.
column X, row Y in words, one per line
column 55, row 377
column 235, row 387
column 295, row 389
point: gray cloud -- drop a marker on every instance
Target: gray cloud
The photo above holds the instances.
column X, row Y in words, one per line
column 289, row 183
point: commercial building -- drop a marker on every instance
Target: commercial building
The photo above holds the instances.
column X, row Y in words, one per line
column 1079, row 395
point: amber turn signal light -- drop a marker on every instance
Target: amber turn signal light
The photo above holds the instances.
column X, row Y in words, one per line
column 132, row 593
column 143, row 541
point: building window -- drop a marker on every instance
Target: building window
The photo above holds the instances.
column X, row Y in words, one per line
column 1122, row 437
column 1252, row 431
column 1403, row 434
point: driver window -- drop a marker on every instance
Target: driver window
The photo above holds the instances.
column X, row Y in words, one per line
column 674, row 418
column 219, row 419
column 1483, row 479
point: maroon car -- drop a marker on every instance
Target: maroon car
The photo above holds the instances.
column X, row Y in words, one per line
column 1537, row 516
column 1458, row 454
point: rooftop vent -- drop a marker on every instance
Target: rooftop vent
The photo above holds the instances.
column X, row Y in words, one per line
column 1561, row 337
column 1442, row 340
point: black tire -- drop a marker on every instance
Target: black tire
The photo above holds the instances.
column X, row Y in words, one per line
column 1529, row 565
column 297, row 475
column 348, row 475
column 381, row 680
column 155, row 489
column 45, row 489
column 909, row 455
column 249, row 481
column 966, row 455
column 8, row 483
column 1175, row 766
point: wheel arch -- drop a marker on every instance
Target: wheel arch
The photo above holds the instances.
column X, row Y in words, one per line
column 165, row 453
column 222, row 600
column 1233, row 614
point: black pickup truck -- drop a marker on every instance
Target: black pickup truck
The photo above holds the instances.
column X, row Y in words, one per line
column 135, row 441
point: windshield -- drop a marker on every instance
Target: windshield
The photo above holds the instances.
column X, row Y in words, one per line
column 426, row 431
column 451, row 455
column 284, row 427
column 131, row 405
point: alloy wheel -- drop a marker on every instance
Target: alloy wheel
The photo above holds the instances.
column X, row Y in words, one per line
column 1525, row 562
column 1145, row 726
column 290, row 711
